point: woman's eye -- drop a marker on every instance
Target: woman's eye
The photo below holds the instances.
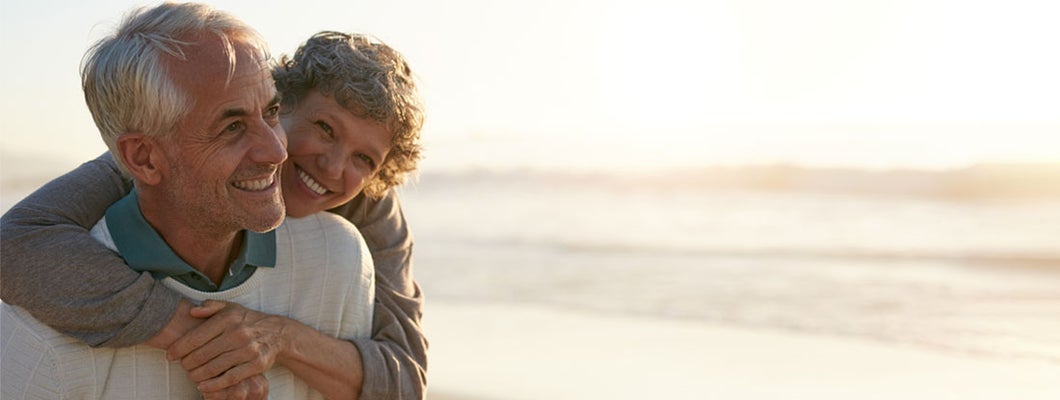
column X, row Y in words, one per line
column 326, row 128
column 367, row 160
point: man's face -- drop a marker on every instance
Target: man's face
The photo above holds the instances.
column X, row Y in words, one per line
column 225, row 155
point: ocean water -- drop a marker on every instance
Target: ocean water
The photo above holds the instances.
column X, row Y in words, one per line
column 970, row 276
column 978, row 276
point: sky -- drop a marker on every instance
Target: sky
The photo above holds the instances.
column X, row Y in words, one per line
column 631, row 85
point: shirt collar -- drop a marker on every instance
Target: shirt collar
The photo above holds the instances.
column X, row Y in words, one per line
column 145, row 250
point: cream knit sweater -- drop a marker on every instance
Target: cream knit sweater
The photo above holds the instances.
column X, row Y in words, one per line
column 323, row 278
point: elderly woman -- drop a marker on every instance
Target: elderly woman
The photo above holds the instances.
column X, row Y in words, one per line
column 353, row 119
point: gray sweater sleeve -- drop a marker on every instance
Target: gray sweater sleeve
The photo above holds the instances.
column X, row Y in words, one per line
column 66, row 279
column 395, row 357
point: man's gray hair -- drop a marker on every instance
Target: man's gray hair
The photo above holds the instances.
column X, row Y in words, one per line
column 125, row 78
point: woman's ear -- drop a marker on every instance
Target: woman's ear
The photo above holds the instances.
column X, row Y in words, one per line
column 142, row 156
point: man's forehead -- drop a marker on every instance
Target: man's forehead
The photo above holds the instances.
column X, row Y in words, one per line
column 208, row 58
column 215, row 91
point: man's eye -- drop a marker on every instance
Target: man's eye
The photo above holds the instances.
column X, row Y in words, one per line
column 272, row 115
column 234, row 127
column 272, row 112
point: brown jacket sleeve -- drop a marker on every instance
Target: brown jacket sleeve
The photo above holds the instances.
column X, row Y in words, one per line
column 395, row 357
column 68, row 280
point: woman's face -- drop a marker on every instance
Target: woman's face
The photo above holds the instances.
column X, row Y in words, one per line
column 331, row 154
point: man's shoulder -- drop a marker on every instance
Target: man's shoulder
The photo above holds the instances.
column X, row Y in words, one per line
column 322, row 240
column 321, row 223
column 322, row 231
column 14, row 319
column 22, row 332
column 28, row 358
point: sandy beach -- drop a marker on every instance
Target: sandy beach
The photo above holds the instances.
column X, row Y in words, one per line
column 498, row 351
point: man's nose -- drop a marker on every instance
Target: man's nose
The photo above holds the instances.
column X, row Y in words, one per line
column 270, row 143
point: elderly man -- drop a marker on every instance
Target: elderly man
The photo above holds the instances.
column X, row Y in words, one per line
column 184, row 100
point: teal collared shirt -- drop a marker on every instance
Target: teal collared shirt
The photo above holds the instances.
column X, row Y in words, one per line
column 145, row 251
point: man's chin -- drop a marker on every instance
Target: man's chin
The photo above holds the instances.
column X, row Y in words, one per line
column 263, row 226
column 265, row 220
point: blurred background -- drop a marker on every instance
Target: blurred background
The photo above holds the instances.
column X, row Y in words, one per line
column 675, row 198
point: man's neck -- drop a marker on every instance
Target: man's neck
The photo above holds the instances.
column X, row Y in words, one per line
column 207, row 248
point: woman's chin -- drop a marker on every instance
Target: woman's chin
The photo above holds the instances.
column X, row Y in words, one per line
column 296, row 208
column 296, row 215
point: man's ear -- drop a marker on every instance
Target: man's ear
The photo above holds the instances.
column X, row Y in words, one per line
column 142, row 156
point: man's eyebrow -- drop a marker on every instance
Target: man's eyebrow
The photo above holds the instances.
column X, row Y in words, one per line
column 239, row 112
column 233, row 112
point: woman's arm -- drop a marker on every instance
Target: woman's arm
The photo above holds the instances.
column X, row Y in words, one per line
column 395, row 357
column 68, row 280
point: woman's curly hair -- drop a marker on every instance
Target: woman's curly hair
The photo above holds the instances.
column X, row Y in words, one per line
column 371, row 80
